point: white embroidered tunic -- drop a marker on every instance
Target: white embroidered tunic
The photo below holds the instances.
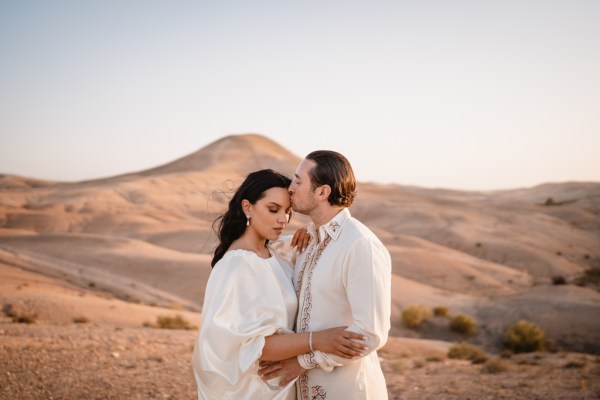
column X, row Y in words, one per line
column 247, row 298
column 344, row 279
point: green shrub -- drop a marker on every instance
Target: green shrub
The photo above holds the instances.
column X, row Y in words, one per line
column 524, row 337
column 176, row 322
column 413, row 316
column 440, row 311
column 463, row 324
column 466, row 351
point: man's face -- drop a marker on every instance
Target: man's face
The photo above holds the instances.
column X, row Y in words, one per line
column 301, row 192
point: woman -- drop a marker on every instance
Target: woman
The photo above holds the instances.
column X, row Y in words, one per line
column 250, row 303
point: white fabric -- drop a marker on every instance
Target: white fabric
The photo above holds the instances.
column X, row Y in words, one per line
column 247, row 298
column 344, row 279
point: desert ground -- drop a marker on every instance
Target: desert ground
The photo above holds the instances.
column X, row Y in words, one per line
column 94, row 265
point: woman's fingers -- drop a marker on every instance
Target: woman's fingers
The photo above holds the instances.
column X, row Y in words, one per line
column 301, row 239
column 350, row 348
column 354, row 335
column 355, row 345
column 305, row 241
column 347, row 352
column 295, row 238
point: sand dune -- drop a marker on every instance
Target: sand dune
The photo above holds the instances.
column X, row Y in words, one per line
column 116, row 253
column 131, row 269
column 55, row 300
column 145, row 236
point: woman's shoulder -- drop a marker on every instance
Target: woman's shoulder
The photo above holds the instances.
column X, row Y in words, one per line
column 236, row 256
column 282, row 250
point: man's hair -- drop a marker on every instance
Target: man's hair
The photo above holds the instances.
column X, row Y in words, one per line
column 333, row 169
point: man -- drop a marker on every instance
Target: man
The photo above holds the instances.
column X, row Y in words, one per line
column 343, row 278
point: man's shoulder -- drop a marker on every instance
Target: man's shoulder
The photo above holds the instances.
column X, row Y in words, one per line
column 356, row 230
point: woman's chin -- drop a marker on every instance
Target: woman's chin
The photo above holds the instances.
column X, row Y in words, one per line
column 274, row 236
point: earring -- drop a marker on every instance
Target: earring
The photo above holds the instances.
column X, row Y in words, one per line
column 247, row 220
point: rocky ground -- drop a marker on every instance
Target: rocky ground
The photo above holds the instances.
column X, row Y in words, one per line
column 87, row 361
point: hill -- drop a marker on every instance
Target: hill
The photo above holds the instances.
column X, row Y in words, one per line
column 146, row 237
column 121, row 251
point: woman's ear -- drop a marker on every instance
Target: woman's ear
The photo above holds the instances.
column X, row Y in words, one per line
column 246, row 206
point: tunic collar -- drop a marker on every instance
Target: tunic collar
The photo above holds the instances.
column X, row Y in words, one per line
column 333, row 228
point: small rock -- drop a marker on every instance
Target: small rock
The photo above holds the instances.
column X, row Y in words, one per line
column 115, row 354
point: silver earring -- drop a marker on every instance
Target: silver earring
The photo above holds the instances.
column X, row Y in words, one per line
column 247, row 220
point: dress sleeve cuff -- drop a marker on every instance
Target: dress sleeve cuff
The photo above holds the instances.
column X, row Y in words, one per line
column 307, row 361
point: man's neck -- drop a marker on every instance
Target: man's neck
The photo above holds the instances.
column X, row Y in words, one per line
column 323, row 215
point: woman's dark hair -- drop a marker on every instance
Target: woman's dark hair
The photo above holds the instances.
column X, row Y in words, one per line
column 232, row 223
column 333, row 169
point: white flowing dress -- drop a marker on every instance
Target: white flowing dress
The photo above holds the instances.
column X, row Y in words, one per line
column 247, row 298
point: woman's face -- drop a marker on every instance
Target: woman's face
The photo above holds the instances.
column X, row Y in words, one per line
column 270, row 215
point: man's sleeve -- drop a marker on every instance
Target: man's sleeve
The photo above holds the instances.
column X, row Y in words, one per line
column 367, row 277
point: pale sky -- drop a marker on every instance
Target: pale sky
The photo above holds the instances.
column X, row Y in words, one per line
column 451, row 94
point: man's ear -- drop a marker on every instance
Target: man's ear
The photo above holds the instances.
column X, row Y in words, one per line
column 324, row 192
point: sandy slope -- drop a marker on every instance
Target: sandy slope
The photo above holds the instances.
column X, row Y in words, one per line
column 103, row 362
column 55, row 300
column 146, row 236
column 79, row 249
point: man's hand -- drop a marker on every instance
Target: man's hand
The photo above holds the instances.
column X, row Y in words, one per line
column 288, row 369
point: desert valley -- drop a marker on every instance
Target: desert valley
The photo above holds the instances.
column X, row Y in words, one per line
column 94, row 269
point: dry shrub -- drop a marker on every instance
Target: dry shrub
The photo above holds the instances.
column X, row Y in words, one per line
column 463, row 324
column 494, row 367
column 466, row 351
column 399, row 367
column 591, row 277
column 81, row 320
column 575, row 364
column 506, row 353
column 19, row 316
column 440, row 311
column 434, row 359
column 525, row 337
column 25, row 318
column 176, row 322
column 414, row 316
column 551, row 346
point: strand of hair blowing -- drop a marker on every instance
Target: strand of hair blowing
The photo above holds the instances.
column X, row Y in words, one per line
column 231, row 225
